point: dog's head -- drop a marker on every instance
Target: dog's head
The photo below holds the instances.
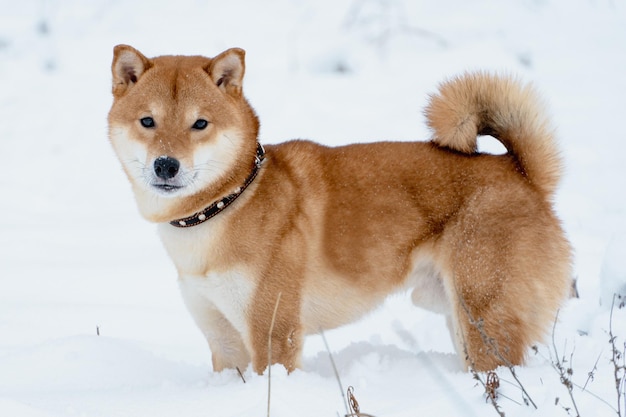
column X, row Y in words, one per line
column 181, row 128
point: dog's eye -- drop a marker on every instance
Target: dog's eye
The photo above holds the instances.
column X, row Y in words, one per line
column 200, row 124
column 147, row 122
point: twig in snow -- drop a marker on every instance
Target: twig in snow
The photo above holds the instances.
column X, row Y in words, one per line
column 494, row 349
column 240, row 374
column 332, row 362
column 269, row 354
column 565, row 373
column 492, row 384
column 619, row 364
column 354, row 405
column 580, row 387
column 592, row 373
column 490, row 398
column 352, row 402
column 595, row 396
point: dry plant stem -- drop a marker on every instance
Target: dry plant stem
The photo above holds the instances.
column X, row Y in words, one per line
column 354, row 405
column 624, row 376
column 492, row 385
column 477, row 377
column 592, row 373
column 358, row 415
column 491, row 399
column 491, row 343
column 620, row 380
column 475, row 374
column 269, row 354
column 332, row 362
column 509, row 365
column 564, row 374
column 602, row 400
column 623, row 384
column 240, row 374
column 501, row 395
column 583, row 388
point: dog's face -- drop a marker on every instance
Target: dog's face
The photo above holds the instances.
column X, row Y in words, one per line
column 179, row 125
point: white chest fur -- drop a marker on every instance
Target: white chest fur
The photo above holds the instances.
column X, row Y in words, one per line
column 228, row 290
column 193, row 250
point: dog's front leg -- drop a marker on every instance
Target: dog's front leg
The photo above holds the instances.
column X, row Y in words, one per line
column 286, row 340
column 226, row 344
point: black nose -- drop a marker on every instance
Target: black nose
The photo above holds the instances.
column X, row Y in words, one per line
column 166, row 167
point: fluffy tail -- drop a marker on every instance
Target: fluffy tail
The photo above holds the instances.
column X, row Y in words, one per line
column 484, row 104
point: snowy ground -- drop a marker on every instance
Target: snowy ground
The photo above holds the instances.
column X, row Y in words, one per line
column 76, row 258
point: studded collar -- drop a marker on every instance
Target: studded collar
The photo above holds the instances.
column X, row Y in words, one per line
column 218, row 206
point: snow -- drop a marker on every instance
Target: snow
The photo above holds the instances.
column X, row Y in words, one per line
column 76, row 259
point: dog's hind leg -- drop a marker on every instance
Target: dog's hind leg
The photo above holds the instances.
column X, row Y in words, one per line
column 507, row 272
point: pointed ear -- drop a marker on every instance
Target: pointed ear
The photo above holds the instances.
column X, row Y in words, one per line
column 227, row 70
column 128, row 66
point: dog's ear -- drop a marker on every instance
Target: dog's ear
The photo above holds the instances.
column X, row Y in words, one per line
column 128, row 65
column 227, row 70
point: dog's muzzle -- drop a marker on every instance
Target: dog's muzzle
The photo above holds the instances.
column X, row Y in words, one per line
column 165, row 170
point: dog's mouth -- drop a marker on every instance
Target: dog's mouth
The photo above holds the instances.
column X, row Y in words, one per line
column 166, row 188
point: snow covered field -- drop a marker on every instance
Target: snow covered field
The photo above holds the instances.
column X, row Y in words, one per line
column 76, row 259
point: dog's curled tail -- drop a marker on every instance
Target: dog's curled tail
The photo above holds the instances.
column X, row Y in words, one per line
column 500, row 106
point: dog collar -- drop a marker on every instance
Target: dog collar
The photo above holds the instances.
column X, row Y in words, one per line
column 219, row 205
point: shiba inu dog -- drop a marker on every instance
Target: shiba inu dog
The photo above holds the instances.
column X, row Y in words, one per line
column 299, row 237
